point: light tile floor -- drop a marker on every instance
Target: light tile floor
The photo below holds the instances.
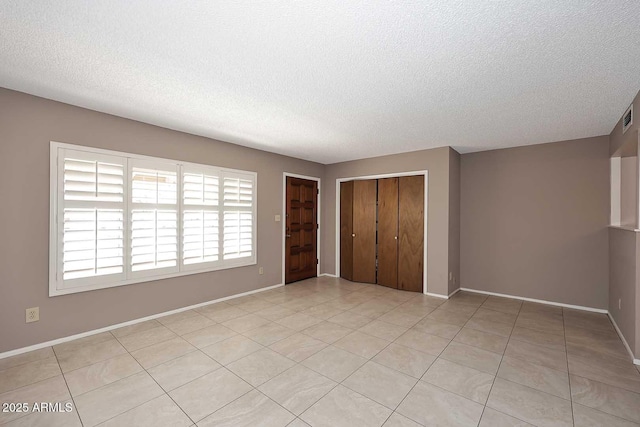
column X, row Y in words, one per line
column 328, row 352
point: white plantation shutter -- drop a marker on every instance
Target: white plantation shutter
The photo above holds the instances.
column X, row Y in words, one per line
column 200, row 216
column 238, row 234
column 90, row 217
column 238, row 191
column 119, row 218
column 238, row 216
column 153, row 217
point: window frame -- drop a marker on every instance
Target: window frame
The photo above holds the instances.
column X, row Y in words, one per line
column 57, row 285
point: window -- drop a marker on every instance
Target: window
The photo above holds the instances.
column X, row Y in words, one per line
column 118, row 219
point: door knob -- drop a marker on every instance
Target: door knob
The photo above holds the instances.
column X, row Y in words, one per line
column 288, row 235
column 353, row 235
column 396, row 237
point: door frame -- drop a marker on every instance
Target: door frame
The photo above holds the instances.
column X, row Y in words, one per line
column 283, row 219
column 425, row 173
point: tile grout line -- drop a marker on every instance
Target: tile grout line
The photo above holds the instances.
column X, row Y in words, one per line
column 68, row 389
column 129, row 353
column 368, row 360
column 566, row 352
column 161, row 388
column 484, row 406
column 31, row 361
column 221, row 367
column 295, row 364
column 227, row 404
column 496, row 375
column 418, row 379
column 396, row 306
column 500, row 365
column 569, row 374
column 150, row 376
column 371, row 360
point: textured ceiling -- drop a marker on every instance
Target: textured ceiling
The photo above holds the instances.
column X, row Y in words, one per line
column 334, row 80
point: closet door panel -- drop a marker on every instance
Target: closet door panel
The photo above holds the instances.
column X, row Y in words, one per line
column 364, row 230
column 411, row 233
column 388, row 232
column 346, row 230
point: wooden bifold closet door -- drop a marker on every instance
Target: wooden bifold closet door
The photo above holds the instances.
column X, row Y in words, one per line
column 346, row 230
column 382, row 232
column 388, row 232
column 411, row 233
column 358, row 230
column 364, row 230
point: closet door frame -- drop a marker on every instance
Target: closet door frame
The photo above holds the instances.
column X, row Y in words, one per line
column 424, row 173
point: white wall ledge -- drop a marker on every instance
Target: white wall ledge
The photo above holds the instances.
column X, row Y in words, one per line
column 625, row 227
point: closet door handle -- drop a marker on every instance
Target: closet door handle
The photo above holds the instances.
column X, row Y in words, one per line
column 353, row 234
column 396, row 237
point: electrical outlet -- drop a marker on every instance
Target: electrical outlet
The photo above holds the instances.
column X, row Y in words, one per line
column 619, row 303
column 33, row 314
column 450, row 275
column 261, row 270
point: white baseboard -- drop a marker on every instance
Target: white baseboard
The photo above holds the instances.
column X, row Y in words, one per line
column 442, row 296
column 539, row 301
column 128, row 323
column 191, row 307
column 575, row 307
column 436, row 295
column 624, row 341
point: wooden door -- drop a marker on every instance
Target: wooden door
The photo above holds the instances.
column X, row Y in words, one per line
column 301, row 229
column 346, row 230
column 388, row 232
column 364, row 230
column 411, row 233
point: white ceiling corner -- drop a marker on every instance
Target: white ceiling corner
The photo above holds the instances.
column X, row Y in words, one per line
column 329, row 80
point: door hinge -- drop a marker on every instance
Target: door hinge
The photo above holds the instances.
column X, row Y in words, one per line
column 317, row 190
column 318, row 226
column 317, row 262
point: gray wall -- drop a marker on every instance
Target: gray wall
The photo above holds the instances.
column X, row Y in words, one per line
column 630, row 306
column 624, row 245
column 626, row 145
column 623, row 283
column 629, row 191
column 534, row 221
column 27, row 124
column 436, row 161
column 454, row 219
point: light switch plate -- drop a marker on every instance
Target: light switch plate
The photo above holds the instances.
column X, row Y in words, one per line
column 277, row 218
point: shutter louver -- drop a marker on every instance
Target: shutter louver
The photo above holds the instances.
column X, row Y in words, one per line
column 154, row 240
column 92, row 217
column 238, row 192
column 200, row 218
column 200, row 189
column 238, row 217
column 200, row 238
column 154, row 218
column 93, row 181
column 238, row 234
column 153, row 187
